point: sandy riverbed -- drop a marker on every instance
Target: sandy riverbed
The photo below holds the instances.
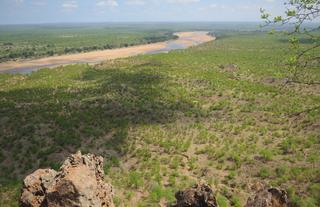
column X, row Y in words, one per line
column 186, row 39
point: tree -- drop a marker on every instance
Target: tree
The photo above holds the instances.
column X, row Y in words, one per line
column 303, row 18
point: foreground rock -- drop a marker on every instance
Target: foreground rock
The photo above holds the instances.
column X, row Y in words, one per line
column 272, row 197
column 79, row 182
column 200, row 195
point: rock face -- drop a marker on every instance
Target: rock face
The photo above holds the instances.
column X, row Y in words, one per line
column 200, row 195
column 78, row 183
column 272, row 197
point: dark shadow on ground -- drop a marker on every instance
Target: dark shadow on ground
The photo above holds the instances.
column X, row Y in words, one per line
column 41, row 126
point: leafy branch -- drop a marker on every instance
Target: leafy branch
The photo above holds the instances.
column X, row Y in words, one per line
column 298, row 14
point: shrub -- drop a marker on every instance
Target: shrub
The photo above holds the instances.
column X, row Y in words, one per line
column 314, row 190
column 235, row 201
column 175, row 162
column 264, row 173
column 1, row 157
column 287, row 145
column 266, row 154
column 159, row 192
column 135, row 180
column 222, row 201
column 236, row 159
column 231, row 175
column 308, row 202
column 113, row 161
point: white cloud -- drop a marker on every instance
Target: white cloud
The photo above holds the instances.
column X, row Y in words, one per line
column 19, row 1
column 213, row 6
column 135, row 2
column 39, row 2
column 233, row 8
column 70, row 5
column 107, row 3
column 183, row 1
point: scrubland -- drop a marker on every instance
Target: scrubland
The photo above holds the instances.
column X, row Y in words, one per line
column 163, row 122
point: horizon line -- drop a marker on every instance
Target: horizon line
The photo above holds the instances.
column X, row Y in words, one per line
column 123, row 22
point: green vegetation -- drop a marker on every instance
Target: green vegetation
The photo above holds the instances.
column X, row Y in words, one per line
column 164, row 121
column 299, row 14
column 222, row 201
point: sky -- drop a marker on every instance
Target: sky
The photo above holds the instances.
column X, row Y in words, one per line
column 69, row 11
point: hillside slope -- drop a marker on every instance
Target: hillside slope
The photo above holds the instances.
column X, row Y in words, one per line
column 164, row 121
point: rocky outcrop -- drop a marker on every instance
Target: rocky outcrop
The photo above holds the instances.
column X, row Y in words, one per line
column 79, row 182
column 272, row 197
column 200, row 195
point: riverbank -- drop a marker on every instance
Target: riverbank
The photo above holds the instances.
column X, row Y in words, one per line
column 185, row 40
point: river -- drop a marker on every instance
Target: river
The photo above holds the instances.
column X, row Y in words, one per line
column 184, row 40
